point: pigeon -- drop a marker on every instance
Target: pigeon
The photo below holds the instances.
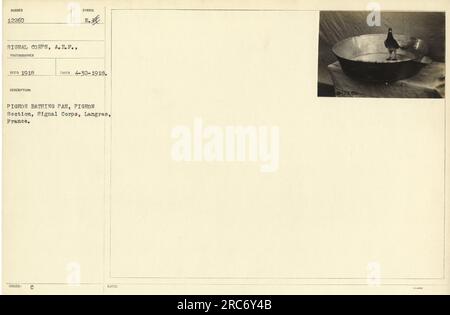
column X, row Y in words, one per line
column 392, row 45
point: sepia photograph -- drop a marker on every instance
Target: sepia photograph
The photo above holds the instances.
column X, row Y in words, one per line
column 381, row 54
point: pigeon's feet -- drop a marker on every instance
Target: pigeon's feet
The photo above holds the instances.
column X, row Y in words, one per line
column 394, row 57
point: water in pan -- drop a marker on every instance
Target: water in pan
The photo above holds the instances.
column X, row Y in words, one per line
column 382, row 57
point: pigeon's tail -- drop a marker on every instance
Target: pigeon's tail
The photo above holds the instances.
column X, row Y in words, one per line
column 409, row 44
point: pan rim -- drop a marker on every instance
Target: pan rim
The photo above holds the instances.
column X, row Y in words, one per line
column 402, row 36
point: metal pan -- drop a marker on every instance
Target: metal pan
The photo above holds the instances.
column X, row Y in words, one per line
column 364, row 57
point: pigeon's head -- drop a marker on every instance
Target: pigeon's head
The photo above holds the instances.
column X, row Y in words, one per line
column 390, row 30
